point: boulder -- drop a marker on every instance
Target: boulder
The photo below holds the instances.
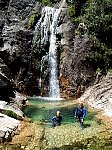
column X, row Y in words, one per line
column 8, row 127
column 100, row 95
column 12, row 108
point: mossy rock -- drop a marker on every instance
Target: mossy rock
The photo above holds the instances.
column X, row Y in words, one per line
column 33, row 19
column 10, row 113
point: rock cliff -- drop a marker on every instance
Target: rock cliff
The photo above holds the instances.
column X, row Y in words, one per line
column 16, row 39
column 21, row 59
column 99, row 95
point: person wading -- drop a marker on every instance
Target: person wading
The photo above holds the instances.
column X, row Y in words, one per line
column 56, row 120
column 80, row 113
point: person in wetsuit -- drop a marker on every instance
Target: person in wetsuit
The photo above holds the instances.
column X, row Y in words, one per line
column 56, row 120
column 80, row 113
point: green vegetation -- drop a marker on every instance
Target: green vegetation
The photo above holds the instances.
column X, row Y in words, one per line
column 10, row 114
column 33, row 19
column 71, row 11
column 47, row 2
column 97, row 17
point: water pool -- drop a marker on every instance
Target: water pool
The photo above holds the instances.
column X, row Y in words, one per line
column 43, row 111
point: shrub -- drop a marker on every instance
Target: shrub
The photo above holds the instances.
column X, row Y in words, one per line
column 32, row 19
column 47, row 2
column 97, row 16
column 71, row 12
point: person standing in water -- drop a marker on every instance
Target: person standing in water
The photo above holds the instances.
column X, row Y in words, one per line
column 80, row 113
column 56, row 120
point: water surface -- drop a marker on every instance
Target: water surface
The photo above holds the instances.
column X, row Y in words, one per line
column 43, row 111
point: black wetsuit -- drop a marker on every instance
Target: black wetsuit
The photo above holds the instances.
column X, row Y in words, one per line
column 56, row 121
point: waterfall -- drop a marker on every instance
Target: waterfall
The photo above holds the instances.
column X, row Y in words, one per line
column 48, row 26
column 54, row 82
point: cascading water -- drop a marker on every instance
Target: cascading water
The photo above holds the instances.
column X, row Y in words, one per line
column 54, row 82
column 48, row 29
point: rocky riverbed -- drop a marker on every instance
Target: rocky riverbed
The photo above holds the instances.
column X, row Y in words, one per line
column 35, row 136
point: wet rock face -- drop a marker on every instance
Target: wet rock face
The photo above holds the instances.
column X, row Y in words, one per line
column 6, row 89
column 15, row 44
column 75, row 63
column 15, row 36
column 20, row 9
column 79, row 64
